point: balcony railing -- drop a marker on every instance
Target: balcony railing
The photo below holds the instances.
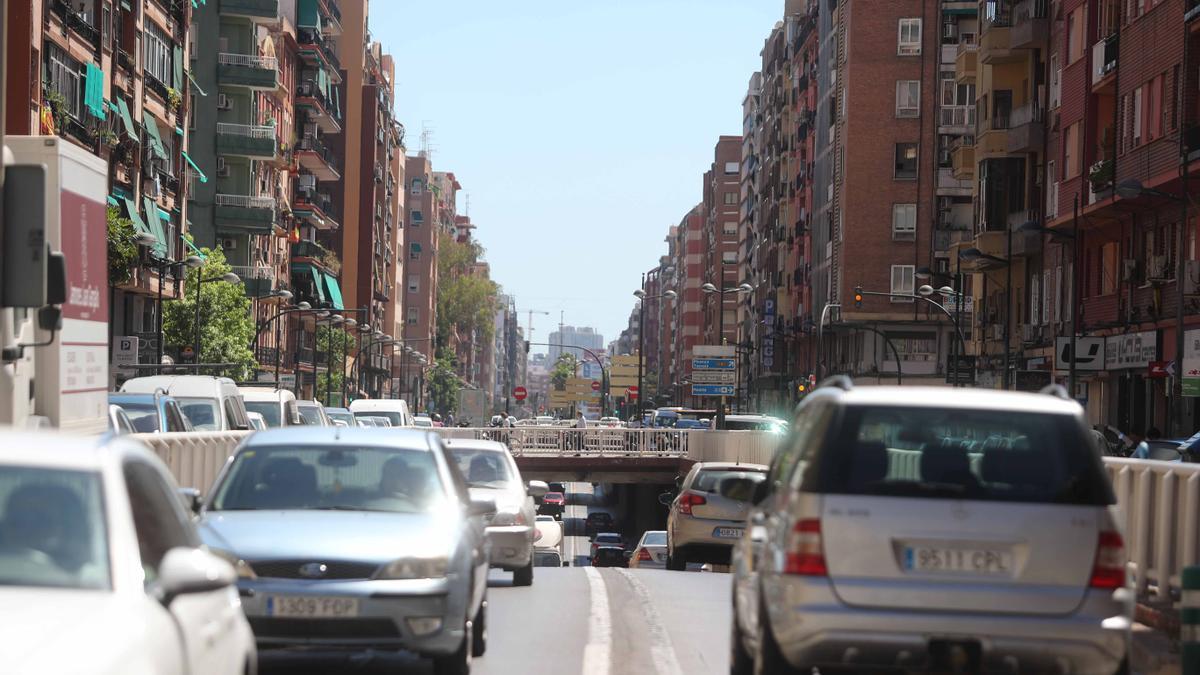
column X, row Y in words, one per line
column 248, row 61
column 245, row 201
column 1104, row 57
column 246, row 130
column 1026, row 114
column 957, row 116
column 254, row 271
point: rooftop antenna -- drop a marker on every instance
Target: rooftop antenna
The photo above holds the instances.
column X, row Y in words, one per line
column 427, row 146
column 468, row 195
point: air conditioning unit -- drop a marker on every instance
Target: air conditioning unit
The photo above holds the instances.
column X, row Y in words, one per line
column 1191, row 277
column 1157, row 269
column 1128, row 269
column 228, row 244
column 1031, row 333
column 224, row 102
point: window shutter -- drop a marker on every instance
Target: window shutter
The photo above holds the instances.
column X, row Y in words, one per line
column 177, row 76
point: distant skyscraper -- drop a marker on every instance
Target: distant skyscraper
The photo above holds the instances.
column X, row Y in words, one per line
column 570, row 336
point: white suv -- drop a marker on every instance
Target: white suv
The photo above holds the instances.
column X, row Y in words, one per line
column 932, row 528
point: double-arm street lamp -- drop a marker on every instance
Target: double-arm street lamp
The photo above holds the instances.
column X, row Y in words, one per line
column 722, row 292
column 164, row 264
column 640, row 294
column 975, row 255
column 228, row 277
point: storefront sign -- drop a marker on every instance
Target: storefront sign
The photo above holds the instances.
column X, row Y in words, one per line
column 768, row 342
column 1157, row 370
column 1032, row 380
column 1191, row 363
column 1132, row 350
column 1089, row 353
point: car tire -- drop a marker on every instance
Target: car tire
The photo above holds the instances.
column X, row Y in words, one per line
column 458, row 662
column 676, row 562
column 1123, row 669
column 479, row 630
column 740, row 660
column 523, row 576
column 769, row 659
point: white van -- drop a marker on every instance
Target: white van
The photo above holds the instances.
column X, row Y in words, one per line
column 277, row 406
column 211, row 403
column 396, row 410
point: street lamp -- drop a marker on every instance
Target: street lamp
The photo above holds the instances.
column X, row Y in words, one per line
column 228, row 277
column 640, row 294
column 1075, row 235
column 190, row 262
column 738, row 290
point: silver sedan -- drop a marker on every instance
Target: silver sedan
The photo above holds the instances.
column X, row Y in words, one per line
column 354, row 539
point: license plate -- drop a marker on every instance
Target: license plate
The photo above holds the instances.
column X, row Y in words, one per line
column 965, row 560
column 727, row 532
column 306, row 606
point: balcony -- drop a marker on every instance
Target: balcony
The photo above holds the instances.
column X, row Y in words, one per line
column 1027, row 131
column 318, row 51
column 333, row 18
column 1031, row 25
column 308, row 250
column 248, row 70
column 950, row 185
column 260, row 11
column 993, row 137
column 245, row 214
column 995, row 43
column 1104, row 63
column 258, row 280
column 246, row 140
column 966, row 62
column 316, row 209
column 81, row 22
column 943, row 240
column 992, row 243
column 321, row 110
column 318, row 159
column 962, row 158
column 960, row 117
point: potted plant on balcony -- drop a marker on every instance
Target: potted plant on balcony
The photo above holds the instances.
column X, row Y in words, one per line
column 1100, row 177
column 174, row 99
column 122, row 248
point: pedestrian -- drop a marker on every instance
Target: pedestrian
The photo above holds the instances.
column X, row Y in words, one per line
column 581, row 423
column 1142, row 451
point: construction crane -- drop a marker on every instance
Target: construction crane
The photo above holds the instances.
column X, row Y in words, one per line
column 529, row 329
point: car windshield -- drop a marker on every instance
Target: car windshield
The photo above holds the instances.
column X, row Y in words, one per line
column 52, row 529
column 393, row 417
column 202, row 412
column 666, row 421
column 709, row 480
column 482, row 468
column 994, row 455
column 144, row 415
column 332, row 477
column 311, row 415
column 753, row 425
column 339, row 416
column 268, row 409
column 422, row 422
column 655, row 539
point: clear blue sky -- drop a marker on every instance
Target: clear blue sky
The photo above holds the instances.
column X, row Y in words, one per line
column 580, row 129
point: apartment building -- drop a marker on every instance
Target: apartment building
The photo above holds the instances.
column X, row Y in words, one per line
column 421, row 236
column 721, row 205
column 689, row 266
column 113, row 79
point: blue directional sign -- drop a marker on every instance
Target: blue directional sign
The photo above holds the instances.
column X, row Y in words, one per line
column 712, row 390
column 712, row 364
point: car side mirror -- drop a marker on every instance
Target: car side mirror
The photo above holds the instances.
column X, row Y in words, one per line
column 186, row 570
column 739, row 489
column 537, row 489
column 481, row 506
column 192, row 500
column 666, row 498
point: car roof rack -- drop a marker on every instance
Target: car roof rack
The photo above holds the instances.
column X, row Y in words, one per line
column 842, row 382
column 1056, row 390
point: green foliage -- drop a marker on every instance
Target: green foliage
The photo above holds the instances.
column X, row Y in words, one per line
column 466, row 302
column 337, row 344
column 58, row 105
column 1101, row 175
column 174, row 99
column 122, row 247
column 226, row 328
column 443, row 386
column 564, row 368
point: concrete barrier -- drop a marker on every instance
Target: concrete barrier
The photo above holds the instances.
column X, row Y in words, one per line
column 194, row 458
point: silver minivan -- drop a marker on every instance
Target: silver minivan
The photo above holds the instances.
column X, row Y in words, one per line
column 951, row 529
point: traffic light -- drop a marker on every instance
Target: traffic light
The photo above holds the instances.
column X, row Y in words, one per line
column 858, row 296
column 527, row 346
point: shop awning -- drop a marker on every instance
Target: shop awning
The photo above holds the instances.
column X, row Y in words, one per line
column 333, row 291
column 203, row 178
column 308, row 270
column 130, row 129
column 93, row 90
column 153, row 136
column 131, row 211
column 154, row 221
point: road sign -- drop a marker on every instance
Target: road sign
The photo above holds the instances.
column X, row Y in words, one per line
column 712, row 390
column 714, row 376
column 520, row 393
column 631, row 392
column 1157, row 369
column 714, row 351
column 713, row 364
column 125, row 351
column 1089, row 353
column 595, row 386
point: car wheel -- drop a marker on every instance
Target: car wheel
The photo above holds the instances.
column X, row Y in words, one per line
column 524, row 575
column 769, row 659
column 740, row 660
column 459, row 662
column 676, row 562
column 479, row 630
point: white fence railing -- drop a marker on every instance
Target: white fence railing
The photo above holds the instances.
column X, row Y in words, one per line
column 245, row 201
column 247, row 130
column 1158, row 502
column 248, row 61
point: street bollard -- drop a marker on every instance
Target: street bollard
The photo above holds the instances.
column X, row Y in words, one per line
column 1189, row 621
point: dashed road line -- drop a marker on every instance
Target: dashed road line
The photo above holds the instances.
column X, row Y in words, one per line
column 661, row 652
column 598, row 652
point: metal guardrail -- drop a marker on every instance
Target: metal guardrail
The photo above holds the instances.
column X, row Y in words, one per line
column 247, row 130
column 248, row 61
column 548, row 441
column 244, row 201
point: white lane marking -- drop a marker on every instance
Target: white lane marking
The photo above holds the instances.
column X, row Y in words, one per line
column 661, row 652
column 598, row 652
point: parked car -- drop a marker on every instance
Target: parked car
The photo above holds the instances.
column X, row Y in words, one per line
column 703, row 524
column 312, row 413
column 491, row 473
column 257, row 421
column 152, row 413
column 548, row 557
column 609, row 556
column 119, row 422
column 341, row 415
column 651, row 551
column 424, row 421
column 373, row 421
column 101, row 570
column 750, row 422
column 277, row 406
column 597, row 521
column 610, row 539
column 345, row 538
column 396, row 410
column 210, row 403
column 553, row 504
column 963, row 529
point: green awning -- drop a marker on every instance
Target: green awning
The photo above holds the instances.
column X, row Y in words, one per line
column 153, row 136
column 960, row 10
column 320, row 287
column 177, row 75
column 333, row 291
column 307, row 15
column 416, row 248
column 187, row 241
column 130, row 129
column 194, row 85
column 93, row 90
column 203, row 178
column 131, row 211
column 112, row 201
column 156, row 226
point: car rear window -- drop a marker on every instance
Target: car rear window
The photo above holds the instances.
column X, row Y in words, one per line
column 710, row 479
column 991, row 455
column 655, row 539
column 608, row 539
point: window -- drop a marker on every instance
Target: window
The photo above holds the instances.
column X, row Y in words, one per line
column 906, row 161
column 903, row 282
column 64, row 75
column 158, row 518
column 413, row 315
column 1035, row 302
column 1055, row 81
column 1155, row 108
column 1071, row 152
column 908, row 98
column 416, row 218
column 414, row 252
column 1109, row 273
column 1075, row 42
column 156, row 50
column 909, row 40
column 729, row 229
column 732, row 168
column 729, row 257
column 1174, row 102
column 904, row 222
column 1138, row 117
column 731, row 198
column 414, row 283
column 1051, row 188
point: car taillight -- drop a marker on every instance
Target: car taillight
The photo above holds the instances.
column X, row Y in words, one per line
column 804, row 556
column 690, row 499
column 1109, row 569
column 643, row 554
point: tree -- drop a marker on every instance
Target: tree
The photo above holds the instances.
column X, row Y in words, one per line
column 335, row 344
column 122, row 247
column 443, row 385
column 226, row 328
column 466, row 301
column 564, row 368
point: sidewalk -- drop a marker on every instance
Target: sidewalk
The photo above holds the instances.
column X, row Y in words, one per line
column 1153, row 652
